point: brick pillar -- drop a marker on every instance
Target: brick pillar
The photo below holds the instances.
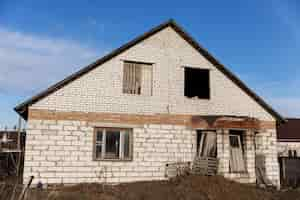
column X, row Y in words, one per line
column 220, row 147
column 226, row 150
column 250, row 155
column 267, row 146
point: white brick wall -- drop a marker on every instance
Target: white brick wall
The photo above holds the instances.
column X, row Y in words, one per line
column 101, row 89
column 67, row 156
column 266, row 144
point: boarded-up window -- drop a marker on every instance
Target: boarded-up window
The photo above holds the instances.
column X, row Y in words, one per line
column 137, row 78
column 207, row 143
column 112, row 143
column 237, row 161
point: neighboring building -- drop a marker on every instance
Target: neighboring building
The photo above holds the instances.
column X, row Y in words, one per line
column 288, row 135
column 158, row 99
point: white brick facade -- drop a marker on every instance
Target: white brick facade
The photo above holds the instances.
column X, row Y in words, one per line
column 101, row 89
column 60, row 154
column 266, row 145
column 61, row 151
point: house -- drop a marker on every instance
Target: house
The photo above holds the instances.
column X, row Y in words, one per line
column 159, row 99
column 289, row 152
column 288, row 135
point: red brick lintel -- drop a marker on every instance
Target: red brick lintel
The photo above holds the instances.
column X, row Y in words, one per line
column 137, row 119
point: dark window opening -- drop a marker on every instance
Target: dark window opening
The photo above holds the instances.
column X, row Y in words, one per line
column 207, row 144
column 234, row 141
column 112, row 144
column 196, row 83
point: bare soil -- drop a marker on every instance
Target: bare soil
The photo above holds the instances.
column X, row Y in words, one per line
column 182, row 188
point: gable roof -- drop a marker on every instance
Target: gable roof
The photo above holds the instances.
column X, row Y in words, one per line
column 289, row 131
column 22, row 108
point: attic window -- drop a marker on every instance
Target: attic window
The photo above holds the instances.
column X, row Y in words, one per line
column 196, row 83
column 137, row 78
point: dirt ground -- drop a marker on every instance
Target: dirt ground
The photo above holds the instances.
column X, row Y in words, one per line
column 182, row 188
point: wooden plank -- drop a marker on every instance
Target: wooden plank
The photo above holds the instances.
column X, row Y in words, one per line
column 203, row 161
column 205, row 166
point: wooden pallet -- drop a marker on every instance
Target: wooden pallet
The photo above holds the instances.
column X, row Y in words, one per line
column 205, row 166
column 177, row 169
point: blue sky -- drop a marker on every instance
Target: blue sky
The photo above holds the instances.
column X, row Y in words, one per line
column 43, row 41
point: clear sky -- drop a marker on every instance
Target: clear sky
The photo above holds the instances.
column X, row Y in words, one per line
column 43, row 41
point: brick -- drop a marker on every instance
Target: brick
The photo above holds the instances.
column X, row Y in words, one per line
column 63, row 143
column 49, row 122
column 31, row 164
column 34, row 132
column 56, row 127
column 166, row 126
column 70, row 128
column 47, row 164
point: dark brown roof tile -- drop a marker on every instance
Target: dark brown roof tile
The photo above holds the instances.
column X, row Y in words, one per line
column 290, row 130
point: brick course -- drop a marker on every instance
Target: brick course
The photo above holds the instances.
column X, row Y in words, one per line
column 132, row 119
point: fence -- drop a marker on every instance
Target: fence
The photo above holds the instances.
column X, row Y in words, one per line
column 10, row 191
column 290, row 171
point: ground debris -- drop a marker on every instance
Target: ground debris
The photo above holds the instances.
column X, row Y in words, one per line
column 189, row 187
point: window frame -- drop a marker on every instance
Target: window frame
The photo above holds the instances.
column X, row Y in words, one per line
column 104, row 130
column 143, row 65
column 241, row 147
column 199, row 145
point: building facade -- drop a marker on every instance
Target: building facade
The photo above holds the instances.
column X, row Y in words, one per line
column 158, row 99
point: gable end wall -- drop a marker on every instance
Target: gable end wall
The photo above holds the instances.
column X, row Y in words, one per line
column 101, row 89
